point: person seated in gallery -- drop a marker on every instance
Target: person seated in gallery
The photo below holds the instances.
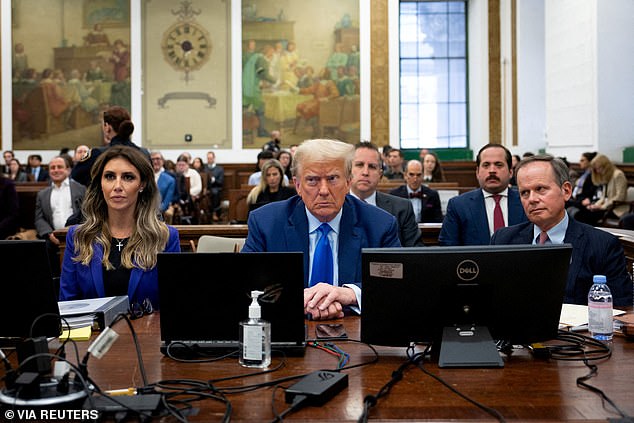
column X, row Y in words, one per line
column 271, row 187
column 432, row 169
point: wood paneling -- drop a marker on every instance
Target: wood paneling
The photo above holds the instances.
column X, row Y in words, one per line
column 379, row 64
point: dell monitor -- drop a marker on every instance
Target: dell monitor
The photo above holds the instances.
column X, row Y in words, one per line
column 27, row 292
column 460, row 295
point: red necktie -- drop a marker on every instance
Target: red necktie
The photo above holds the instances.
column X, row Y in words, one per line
column 498, row 217
column 543, row 237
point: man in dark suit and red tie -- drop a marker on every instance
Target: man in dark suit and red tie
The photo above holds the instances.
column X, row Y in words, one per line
column 425, row 201
column 473, row 216
column 544, row 189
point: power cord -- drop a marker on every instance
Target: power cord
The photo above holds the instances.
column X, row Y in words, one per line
column 416, row 359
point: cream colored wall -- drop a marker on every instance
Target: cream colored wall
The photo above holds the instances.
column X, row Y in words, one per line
column 166, row 127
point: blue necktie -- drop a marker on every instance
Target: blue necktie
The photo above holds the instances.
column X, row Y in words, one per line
column 322, row 258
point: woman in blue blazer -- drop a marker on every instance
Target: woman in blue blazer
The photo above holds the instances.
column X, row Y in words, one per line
column 114, row 252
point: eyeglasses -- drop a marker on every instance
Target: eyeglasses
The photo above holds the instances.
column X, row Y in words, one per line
column 139, row 310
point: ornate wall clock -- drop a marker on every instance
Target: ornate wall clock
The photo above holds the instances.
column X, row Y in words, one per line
column 186, row 44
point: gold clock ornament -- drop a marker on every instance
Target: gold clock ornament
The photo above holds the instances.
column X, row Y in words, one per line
column 186, row 46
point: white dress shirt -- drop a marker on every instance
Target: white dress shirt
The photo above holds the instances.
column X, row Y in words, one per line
column 61, row 204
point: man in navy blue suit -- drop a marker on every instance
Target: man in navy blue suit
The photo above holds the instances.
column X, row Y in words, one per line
column 470, row 218
column 544, row 189
column 165, row 182
column 322, row 173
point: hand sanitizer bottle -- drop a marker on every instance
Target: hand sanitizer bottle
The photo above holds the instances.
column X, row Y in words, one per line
column 255, row 337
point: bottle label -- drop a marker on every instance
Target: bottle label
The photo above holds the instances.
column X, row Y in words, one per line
column 252, row 346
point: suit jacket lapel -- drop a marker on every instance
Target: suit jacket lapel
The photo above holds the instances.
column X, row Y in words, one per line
column 575, row 237
column 75, row 197
column 96, row 271
column 133, row 284
column 297, row 235
column 515, row 209
column 479, row 213
column 349, row 243
column 46, row 205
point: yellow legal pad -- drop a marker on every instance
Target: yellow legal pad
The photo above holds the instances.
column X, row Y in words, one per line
column 77, row 334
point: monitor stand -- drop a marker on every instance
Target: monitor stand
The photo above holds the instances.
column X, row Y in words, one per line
column 468, row 346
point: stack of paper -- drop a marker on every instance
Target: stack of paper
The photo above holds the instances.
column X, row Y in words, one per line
column 575, row 316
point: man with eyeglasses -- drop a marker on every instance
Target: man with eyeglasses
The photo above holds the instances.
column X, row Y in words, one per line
column 327, row 225
column 425, row 201
column 366, row 174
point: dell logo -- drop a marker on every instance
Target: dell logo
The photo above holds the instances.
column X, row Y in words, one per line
column 467, row 270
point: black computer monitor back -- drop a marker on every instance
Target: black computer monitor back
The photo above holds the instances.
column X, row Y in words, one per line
column 27, row 292
column 514, row 290
column 204, row 296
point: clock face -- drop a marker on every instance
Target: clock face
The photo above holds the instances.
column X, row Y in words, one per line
column 186, row 46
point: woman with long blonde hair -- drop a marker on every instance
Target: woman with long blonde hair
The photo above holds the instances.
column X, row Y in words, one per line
column 612, row 187
column 114, row 252
column 272, row 186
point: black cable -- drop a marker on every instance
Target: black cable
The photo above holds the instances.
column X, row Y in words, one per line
column 492, row 411
column 581, row 381
column 298, row 401
column 42, row 316
column 194, row 350
column 196, row 390
column 137, row 346
column 371, row 400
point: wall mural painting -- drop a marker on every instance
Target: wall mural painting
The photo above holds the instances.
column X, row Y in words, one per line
column 300, row 70
column 63, row 81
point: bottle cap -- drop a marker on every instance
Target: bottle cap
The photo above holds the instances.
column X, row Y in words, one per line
column 598, row 279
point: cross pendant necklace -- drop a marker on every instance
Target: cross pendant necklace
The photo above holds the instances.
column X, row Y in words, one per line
column 119, row 244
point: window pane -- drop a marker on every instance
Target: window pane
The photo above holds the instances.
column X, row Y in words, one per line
column 433, row 77
column 409, row 121
column 457, row 80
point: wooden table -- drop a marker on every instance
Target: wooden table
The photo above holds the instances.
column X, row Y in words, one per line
column 526, row 389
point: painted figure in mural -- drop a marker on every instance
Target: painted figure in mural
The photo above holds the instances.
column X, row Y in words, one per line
column 56, row 101
column 96, row 37
column 121, row 59
column 323, row 89
column 288, row 65
column 336, row 59
column 354, row 58
column 20, row 61
column 255, row 72
column 94, row 72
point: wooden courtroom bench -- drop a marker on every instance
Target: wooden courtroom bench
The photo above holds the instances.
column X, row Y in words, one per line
column 27, row 195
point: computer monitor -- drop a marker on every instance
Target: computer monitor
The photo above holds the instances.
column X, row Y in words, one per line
column 27, row 292
column 204, row 297
column 413, row 294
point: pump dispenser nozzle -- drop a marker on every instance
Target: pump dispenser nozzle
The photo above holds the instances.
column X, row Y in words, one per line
column 254, row 309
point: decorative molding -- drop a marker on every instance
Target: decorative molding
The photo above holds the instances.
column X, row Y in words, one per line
column 514, row 129
column 211, row 101
column 495, row 76
column 379, row 68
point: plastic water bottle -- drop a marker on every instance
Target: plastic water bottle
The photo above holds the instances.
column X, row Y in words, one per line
column 600, row 321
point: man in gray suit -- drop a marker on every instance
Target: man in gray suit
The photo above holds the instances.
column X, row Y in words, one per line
column 55, row 204
column 366, row 174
